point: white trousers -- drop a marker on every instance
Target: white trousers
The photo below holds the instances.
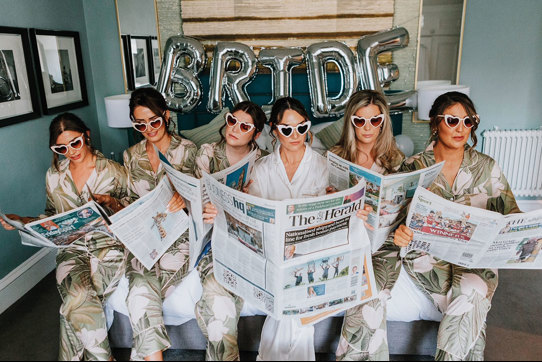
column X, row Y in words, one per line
column 286, row 340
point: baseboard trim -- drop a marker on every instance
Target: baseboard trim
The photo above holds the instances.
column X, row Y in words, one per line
column 23, row 278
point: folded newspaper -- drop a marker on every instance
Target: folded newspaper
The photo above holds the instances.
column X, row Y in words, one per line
column 147, row 228
column 62, row 230
column 387, row 195
column 193, row 192
column 474, row 237
column 304, row 259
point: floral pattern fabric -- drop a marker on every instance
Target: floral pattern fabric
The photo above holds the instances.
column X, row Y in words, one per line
column 89, row 272
column 148, row 288
column 364, row 332
column 462, row 295
column 218, row 310
column 211, row 158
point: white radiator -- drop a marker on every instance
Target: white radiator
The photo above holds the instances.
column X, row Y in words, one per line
column 519, row 154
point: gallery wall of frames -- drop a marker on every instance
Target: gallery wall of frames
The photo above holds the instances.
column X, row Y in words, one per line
column 41, row 72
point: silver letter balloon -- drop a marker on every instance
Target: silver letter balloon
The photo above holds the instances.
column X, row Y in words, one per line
column 317, row 56
column 174, row 73
column 232, row 82
column 281, row 61
column 369, row 47
column 180, row 85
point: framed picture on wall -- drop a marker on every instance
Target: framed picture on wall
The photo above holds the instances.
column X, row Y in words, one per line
column 156, row 62
column 18, row 92
column 138, row 61
column 59, row 65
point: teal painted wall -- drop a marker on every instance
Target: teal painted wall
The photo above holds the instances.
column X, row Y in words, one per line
column 501, row 57
column 104, row 46
column 24, row 155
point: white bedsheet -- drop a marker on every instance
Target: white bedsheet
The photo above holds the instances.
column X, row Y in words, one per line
column 407, row 303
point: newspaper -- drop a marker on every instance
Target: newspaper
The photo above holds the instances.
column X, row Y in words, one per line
column 303, row 259
column 193, row 192
column 387, row 195
column 147, row 228
column 62, row 230
column 474, row 237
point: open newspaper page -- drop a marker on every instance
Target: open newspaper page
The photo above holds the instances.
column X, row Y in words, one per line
column 27, row 238
column 147, row 228
column 193, row 192
column 62, row 230
column 452, row 232
column 244, row 237
column 360, row 276
column 303, row 259
column 387, row 195
column 238, row 175
column 518, row 244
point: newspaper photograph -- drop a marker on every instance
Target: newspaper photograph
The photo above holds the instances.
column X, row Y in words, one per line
column 60, row 231
column 387, row 195
column 303, row 259
column 147, row 228
column 474, row 237
column 363, row 275
column 193, row 192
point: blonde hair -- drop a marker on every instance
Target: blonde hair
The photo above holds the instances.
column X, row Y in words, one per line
column 385, row 151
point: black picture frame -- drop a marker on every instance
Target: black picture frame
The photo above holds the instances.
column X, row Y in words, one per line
column 138, row 61
column 154, row 57
column 18, row 92
column 59, row 69
column 126, row 50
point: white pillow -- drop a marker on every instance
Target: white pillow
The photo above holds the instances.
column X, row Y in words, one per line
column 408, row 303
column 265, row 139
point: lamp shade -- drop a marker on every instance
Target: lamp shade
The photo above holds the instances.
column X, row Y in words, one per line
column 117, row 109
column 428, row 95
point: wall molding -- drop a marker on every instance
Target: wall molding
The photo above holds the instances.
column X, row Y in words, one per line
column 23, row 278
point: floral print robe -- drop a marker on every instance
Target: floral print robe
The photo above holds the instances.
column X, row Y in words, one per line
column 218, row 310
column 148, row 288
column 89, row 271
column 364, row 331
column 462, row 295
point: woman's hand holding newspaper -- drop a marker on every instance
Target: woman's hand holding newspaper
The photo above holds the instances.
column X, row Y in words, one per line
column 403, row 236
column 209, row 213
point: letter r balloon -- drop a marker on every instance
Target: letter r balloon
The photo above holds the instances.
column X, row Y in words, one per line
column 232, row 82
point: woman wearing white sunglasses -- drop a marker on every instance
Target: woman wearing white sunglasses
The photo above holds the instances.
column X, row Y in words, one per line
column 148, row 288
column 241, row 129
column 367, row 140
column 469, row 178
column 293, row 170
column 90, row 269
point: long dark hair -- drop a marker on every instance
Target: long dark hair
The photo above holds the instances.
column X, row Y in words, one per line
column 67, row 122
column 281, row 106
column 152, row 99
column 447, row 100
column 255, row 112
